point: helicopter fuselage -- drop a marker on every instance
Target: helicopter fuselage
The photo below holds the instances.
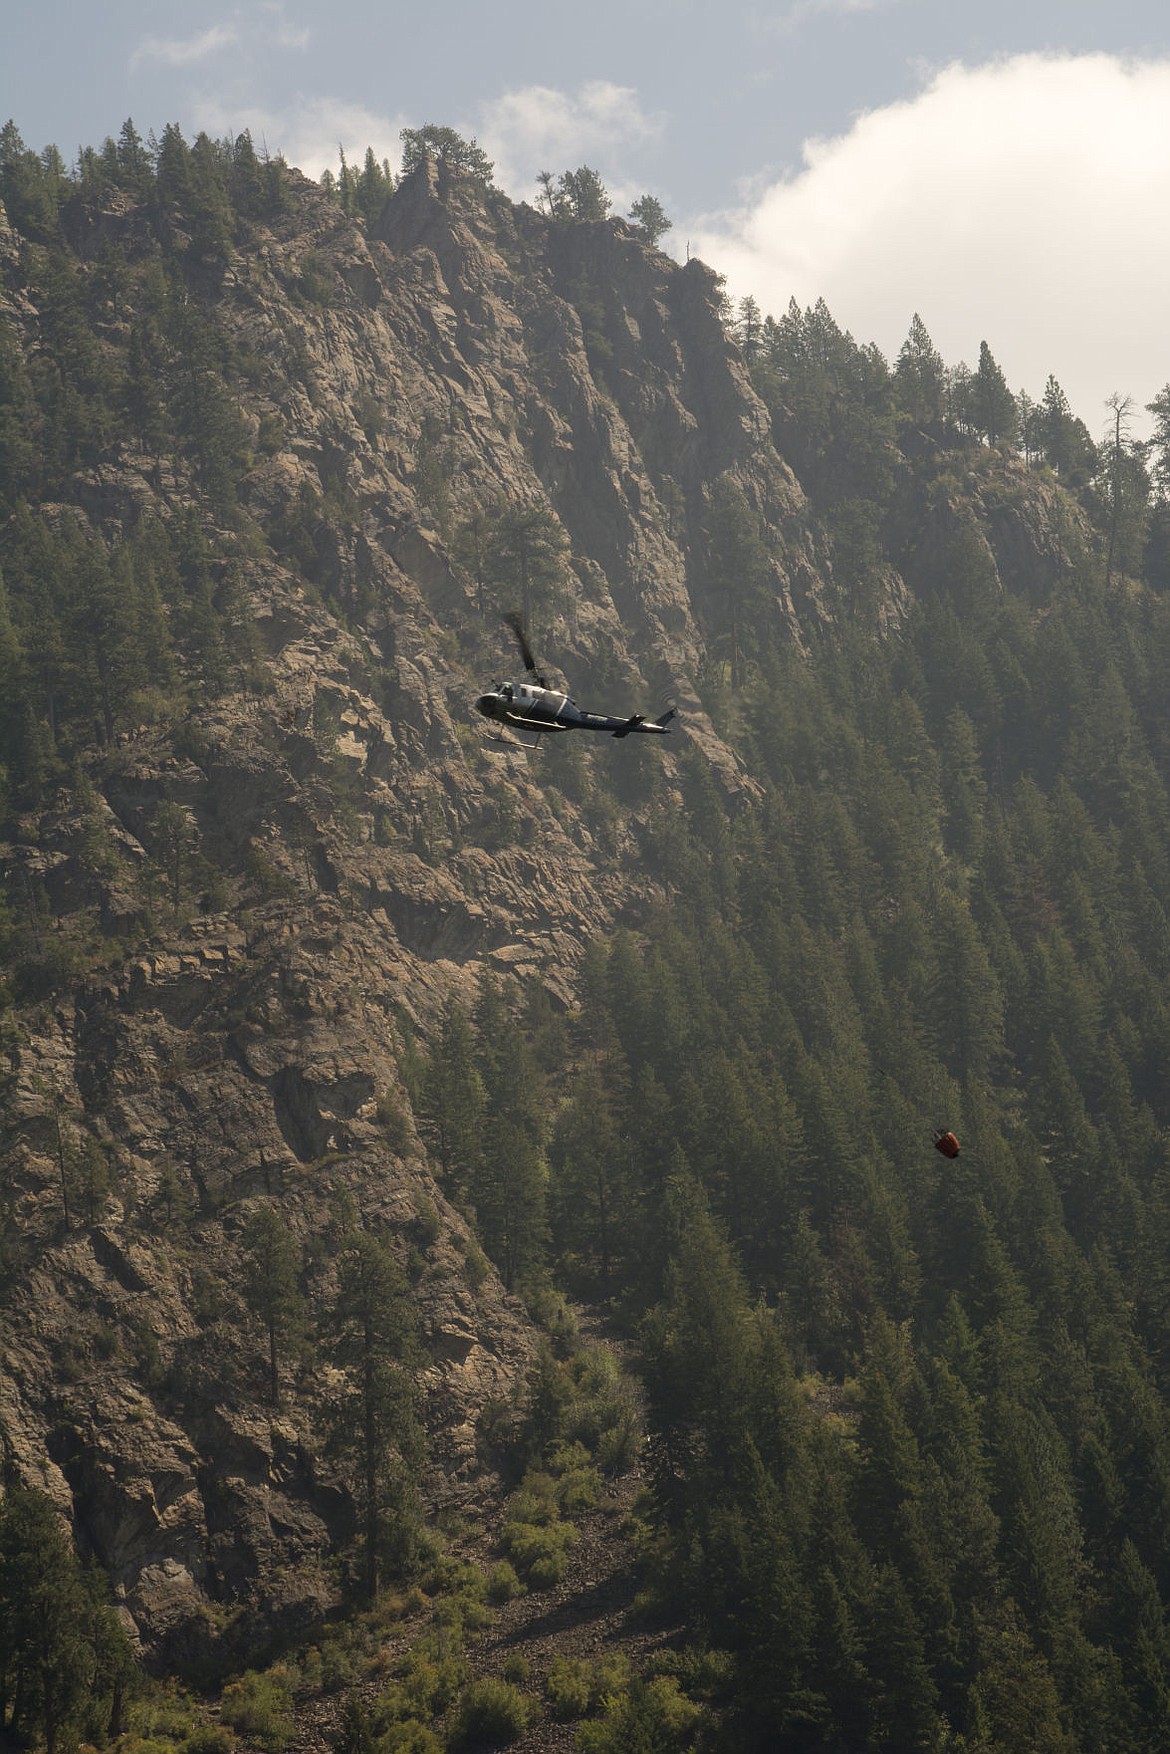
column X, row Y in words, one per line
column 525, row 707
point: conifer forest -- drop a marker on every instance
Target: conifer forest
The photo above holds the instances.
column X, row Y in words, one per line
column 474, row 1266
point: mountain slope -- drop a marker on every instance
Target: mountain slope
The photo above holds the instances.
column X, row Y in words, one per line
column 255, row 841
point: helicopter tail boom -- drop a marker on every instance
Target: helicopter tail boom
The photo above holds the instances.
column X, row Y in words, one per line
column 639, row 722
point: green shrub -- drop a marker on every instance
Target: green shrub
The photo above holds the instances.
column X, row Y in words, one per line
column 426, row 1687
column 619, row 1444
column 541, row 1554
column 457, row 1577
column 546, row 1571
column 260, row 1706
column 145, row 1745
column 652, row 1715
column 503, row 1585
column 604, row 1413
column 569, row 1688
column 553, row 1312
column 476, row 1616
column 495, row 1429
column 578, row 1491
column 491, row 1712
column 166, row 1716
column 409, row 1737
column 475, row 1267
column 566, row 1457
column 535, row 1501
column 210, row 1739
column 272, row 436
column 395, row 1124
column 338, row 1666
column 425, row 1225
column 450, row 1618
column 704, row 1674
column 517, row 1668
column 453, row 1614
column 611, row 1675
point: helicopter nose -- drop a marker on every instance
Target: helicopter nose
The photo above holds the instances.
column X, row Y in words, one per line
column 487, row 704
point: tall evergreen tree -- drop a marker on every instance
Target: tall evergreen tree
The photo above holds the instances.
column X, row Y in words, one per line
column 649, row 216
column 993, row 407
column 62, row 1652
column 453, row 1102
column 525, row 558
column 736, row 565
column 590, row 1196
column 920, row 376
column 272, row 1261
column 584, row 194
column 444, row 147
column 372, row 1334
column 1065, row 440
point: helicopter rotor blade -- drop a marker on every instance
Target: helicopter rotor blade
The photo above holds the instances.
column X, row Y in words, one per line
column 515, row 621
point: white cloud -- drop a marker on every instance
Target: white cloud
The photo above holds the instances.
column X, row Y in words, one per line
column 540, row 128
column 801, row 11
column 310, row 132
column 1022, row 203
column 284, row 32
column 522, row 132
column 247, row 33
column 183, row 51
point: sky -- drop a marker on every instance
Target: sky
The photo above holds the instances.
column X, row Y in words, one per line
column 1002, row 170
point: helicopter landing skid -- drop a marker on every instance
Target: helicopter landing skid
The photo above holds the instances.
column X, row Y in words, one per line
column 498, row 745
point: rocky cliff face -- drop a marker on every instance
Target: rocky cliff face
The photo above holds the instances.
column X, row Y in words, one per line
column 373, row 855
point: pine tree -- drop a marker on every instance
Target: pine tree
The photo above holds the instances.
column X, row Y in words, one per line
column 447, row 149
column 1139, row 1634
column 993, row 410
column 1159, row 441
column 134, row 165
column 374, row 186
column 372, row 1335
column 698, row 1352
column 590, row 1195
column 920, row 377
column 584, row 194
column 963, row 785
column 246, row 182
column 903, row 1691
column 212, row 218
column 525, row 558
column 890, row 1509
column 1126, row 489
column 736, row 568
column 509, row 1186
column 172, row 168
column 1064, row 439
column 453, row 1102
column 967, row 1001
column 272, row 1262
column 649, row 216
column 46, row 1662
column 1015, row 1704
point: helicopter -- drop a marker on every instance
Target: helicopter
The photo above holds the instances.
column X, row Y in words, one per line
column 534, row 706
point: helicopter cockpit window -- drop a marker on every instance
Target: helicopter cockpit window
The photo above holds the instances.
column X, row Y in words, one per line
column 506, row 691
